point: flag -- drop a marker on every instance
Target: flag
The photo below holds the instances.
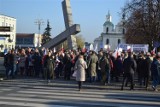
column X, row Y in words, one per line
column 54, row 49
column 101, row 45
column 45, row 51
column 96, row 48
column 84, row 49
column 120, row 49
column 129, row 49
column 91, row 47
column 62, row 49
column 156, row 44
column 115, row 54
column 153, row 51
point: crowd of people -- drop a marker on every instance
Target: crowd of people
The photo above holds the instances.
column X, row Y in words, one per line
column 102, row 67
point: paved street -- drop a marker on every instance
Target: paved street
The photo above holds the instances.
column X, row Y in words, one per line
column 59, row 93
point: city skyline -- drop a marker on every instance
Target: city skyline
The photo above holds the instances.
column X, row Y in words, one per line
column 90, row 14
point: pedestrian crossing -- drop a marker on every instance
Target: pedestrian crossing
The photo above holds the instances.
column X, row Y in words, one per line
column 30, row 94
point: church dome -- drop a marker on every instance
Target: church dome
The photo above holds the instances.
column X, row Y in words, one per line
column 108, row 23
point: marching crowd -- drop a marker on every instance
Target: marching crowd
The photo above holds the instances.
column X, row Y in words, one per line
column 90, row 66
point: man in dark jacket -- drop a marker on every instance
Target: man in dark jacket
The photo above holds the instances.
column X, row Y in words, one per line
column 118, row 68
column 141, row 69
column 67, row 66
column 129, row 67
column 6, row 62
column 147, row 69
column 155, row 70
column 37, row 62
column 9, row 63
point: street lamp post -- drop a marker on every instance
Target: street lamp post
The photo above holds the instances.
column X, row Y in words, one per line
column 39, row 22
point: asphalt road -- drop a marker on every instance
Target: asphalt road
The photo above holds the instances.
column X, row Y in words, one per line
column 60, row 93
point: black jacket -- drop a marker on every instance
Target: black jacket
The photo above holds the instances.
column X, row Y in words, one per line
column 129, row 65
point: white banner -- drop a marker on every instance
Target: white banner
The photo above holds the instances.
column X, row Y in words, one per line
column 134, row 47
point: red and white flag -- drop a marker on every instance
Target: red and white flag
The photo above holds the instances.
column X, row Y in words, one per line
column 153, row 51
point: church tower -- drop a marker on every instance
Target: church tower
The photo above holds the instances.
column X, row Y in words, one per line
column 108, row 26
column 109, row 17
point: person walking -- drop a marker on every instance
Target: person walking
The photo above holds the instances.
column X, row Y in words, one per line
column 49, row 66
column 67, row 66
column 80, row 68
column 21, row 64
column 104, row 65
column 155, row 70
column 147, row 68
column 7, row 62
column 37, row 62
column 129, row 67
column 92, row 63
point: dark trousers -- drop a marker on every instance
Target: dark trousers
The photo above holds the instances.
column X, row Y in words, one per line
column 37, row 70
column 8, row 69
column 79, row 85
column 67, row 74
column 48, row 75
column 99, row 75
column 146, row 78
column 92, row 79
column 128, row 77
column 58, row 71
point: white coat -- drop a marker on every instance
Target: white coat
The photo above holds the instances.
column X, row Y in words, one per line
column 80, row 67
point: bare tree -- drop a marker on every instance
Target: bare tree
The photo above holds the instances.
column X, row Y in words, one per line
column 142, row 21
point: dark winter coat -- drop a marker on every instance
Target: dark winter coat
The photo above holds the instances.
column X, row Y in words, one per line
column 129, row 66
column 147, row 67
column 49, row 64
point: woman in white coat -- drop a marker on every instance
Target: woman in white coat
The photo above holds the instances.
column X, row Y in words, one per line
column 80, row 68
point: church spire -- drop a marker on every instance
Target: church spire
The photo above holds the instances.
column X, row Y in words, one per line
column 109, row 17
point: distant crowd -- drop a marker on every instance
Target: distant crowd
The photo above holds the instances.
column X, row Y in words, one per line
column 102, row 67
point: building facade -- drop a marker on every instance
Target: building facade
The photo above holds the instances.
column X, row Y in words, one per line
column 111, row 36
column 24, row 40
column 7, row 37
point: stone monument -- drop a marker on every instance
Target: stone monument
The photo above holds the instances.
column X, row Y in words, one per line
column 69, row 33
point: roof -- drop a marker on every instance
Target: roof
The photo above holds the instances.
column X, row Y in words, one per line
column 108, row 23
column 7, row 16
column 25, row 35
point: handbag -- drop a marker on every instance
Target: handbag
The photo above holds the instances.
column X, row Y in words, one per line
column 74, row 73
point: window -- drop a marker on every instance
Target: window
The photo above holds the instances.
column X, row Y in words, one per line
column 19, row 40
column 28, row 41
column 2, row 23
column 6, row 24
column 107, row 30
column 119, row 41
column 107, row 41
column 123, row 31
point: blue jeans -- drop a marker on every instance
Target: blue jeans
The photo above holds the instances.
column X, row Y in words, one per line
column 92, row 78
column 156, row 80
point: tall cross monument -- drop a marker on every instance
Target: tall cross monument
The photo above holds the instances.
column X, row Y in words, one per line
column 67, row 14
column 69, row 33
